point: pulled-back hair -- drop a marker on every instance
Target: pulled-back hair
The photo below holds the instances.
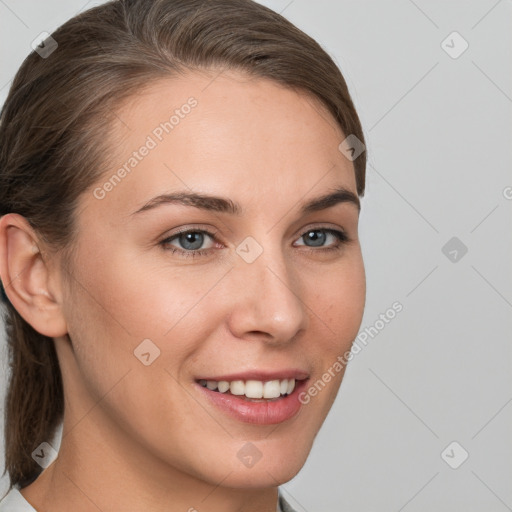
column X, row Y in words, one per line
column 54, row 145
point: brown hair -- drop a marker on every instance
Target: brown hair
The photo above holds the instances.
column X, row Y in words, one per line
column 56, row 119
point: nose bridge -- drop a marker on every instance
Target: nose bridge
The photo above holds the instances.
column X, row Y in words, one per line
column 269, row 298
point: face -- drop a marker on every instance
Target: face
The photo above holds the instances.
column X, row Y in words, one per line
column 192, row 318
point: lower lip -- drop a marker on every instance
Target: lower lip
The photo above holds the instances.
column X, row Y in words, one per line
column 260, row 413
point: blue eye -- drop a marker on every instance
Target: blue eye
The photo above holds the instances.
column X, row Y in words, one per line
column 318, row 236
column 190, row 241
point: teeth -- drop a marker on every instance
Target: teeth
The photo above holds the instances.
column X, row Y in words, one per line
column 252, row 388
column 223, row 386
column 237, row 387
column 271, row 389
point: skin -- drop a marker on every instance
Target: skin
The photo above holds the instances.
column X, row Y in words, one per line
column 142, row 437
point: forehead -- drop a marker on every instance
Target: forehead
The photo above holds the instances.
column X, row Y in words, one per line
column 228, row 134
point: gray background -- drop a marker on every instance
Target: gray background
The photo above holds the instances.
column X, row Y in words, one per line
column 439, row 145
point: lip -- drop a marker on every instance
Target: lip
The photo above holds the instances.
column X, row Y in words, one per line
column 262, row 375
column 261, row 412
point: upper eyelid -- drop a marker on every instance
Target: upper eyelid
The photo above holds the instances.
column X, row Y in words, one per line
column 211, row 233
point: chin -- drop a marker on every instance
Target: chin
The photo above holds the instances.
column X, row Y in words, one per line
column 267, row 464
column 262, row 476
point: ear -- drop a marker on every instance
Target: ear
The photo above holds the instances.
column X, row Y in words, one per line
column 28, row 281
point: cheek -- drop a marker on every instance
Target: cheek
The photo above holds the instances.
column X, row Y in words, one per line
column 115, row 304
column 341, row 305
column 339, row 315
column 142, row 299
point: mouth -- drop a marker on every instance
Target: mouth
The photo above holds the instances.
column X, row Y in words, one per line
column 265, row 400
column 252, row 390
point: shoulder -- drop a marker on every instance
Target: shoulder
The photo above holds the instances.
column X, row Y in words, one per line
column 15, row 502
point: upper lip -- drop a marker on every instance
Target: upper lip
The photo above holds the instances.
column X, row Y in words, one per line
column 262, row 375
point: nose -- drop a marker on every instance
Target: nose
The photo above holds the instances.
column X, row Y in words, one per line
column 266, row 301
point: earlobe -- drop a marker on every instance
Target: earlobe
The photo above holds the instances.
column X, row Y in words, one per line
column 27, row 277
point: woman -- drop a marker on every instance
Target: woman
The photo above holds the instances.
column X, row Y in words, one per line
column 180, row 184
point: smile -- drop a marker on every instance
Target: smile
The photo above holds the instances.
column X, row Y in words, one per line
column 252, row 389
column 256, row 397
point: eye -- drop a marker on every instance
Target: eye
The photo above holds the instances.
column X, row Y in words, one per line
column 189, row 242
column 317, row 237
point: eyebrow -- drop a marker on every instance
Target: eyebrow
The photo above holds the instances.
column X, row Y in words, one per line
column 225, row 205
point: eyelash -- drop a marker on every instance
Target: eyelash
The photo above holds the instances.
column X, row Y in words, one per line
column 341, row 236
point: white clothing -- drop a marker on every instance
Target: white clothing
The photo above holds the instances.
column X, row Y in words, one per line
column 15, row 502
